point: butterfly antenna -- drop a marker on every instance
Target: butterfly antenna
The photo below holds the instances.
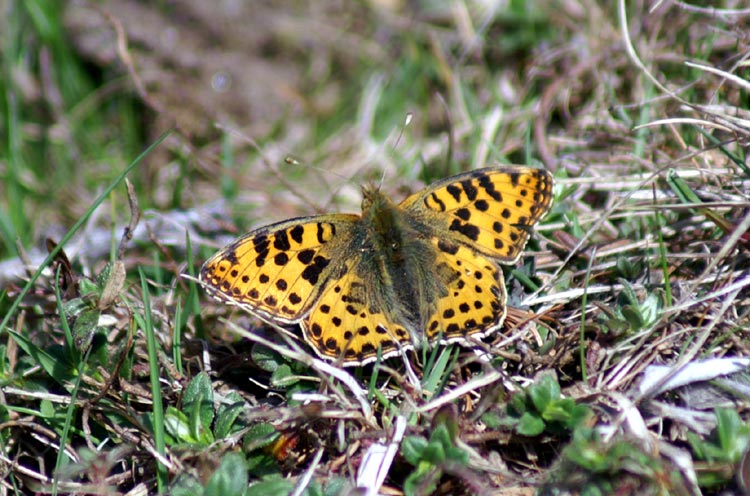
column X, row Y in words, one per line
column 451, row 136
column 407, row 121
column 322, row 176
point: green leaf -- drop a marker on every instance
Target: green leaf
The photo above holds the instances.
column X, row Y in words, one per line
column 185, row 485
column 530, row 425
column 46, row 409
column 544, row 392
column 578, row 415
column 337, row 486
column 57, row 366
column 557, row 411
column 435, row 375
column 199, row 389
column 283, row 377
column 423, row 480
column 517, row 405
column 265, row 358
column 200, row 427
column 177, row 425
column 493, row 420
column 272, row 487
column 729, row 431
column 74, row 307
column 227, row 415
column 313, row 489
column 103, row 276
column 412, row 448
column 441, row 435
column 616, row 326
column 633, row 316
column 230, row 479
column 87, row 288
column 261, row 464
column 434, row 453
column 259, row 436
column 199, row 404
column 84, row 328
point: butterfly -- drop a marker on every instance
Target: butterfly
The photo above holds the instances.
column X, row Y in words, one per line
column 397, row 277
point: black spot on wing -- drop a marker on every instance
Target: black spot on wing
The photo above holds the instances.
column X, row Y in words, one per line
column 440, row 203
column 489, row 187
column 281, row 259
column 448, row 248
column 321, row 232
column 454, row 191
column 331, row 345
column 312, row 271
column 469, row 189
column 514, row 176
column 306, row 256
column 260, row 243
column 296, row 233
column 281, row 241
column 468, row 230
column 316, row 330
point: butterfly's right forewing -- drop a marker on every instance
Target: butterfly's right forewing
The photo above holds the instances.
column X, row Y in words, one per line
column 278, row 271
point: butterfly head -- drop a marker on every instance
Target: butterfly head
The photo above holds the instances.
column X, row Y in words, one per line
column 379, row 211
column 371, row 198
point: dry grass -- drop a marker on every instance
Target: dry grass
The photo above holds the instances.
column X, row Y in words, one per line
column 642, row 262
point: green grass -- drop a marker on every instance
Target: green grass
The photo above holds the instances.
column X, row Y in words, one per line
column 111, row 349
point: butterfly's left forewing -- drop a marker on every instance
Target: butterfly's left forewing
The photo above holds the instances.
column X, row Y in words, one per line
column 491, row 210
